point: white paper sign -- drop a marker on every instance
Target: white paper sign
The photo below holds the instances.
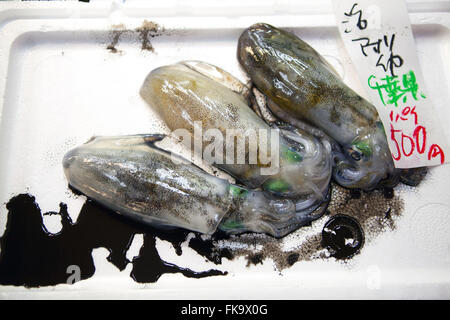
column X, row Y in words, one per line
column 378, row 37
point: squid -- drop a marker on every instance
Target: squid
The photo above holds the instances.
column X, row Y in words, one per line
column 192, row 94
column 135, row 178
column 302, row 88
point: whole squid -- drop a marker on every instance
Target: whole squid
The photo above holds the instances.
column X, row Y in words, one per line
column 135, row 178
column 303, row 87
column 189, row 93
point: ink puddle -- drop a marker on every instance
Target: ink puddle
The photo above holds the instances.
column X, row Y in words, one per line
column 32, row 257
column 145, row 32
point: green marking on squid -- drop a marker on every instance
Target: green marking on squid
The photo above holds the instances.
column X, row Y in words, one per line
column 276, row 185
column 291, row 156
column 238, row 191
column 363, row 147
column 231, row 224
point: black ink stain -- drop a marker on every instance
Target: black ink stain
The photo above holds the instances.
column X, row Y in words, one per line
column 115, row 34
column 413, row 177
column 255, row 259
column 388, row 193
column 292, row 258
column 31, row 256
column 342, row 236
column 145, row 32
column 148, row 266
column 208, row 249
column 148, row 30
column 355, row 193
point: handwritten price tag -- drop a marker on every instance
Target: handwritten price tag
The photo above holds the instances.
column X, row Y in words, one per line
column 378, row 37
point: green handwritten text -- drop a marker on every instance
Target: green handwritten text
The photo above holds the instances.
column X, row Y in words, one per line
column 391, row 91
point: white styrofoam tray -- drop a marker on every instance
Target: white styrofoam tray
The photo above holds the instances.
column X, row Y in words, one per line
column 60, row 86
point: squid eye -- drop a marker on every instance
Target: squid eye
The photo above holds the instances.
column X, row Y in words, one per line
column 295, row 149
column 362, row 148
column 356, row 155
